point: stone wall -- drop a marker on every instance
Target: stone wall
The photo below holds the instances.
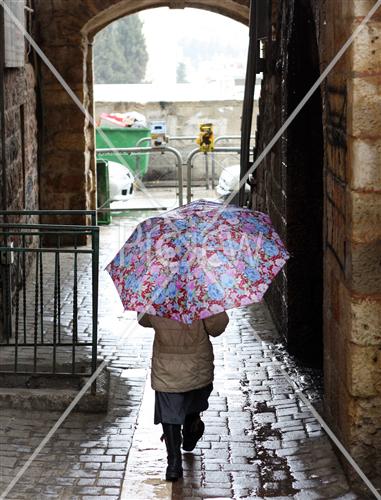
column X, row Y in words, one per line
column 65, row 31
column 20, row 140
column 321, row 182
column 20, row 171
column 289, row 185
column 290, row 179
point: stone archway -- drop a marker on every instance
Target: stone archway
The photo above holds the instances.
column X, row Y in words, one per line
column 65, row 34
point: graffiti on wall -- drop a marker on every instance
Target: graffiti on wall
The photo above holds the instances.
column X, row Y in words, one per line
column 336, row 174
column 336, row 129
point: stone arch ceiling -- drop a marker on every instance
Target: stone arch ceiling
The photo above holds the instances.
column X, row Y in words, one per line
column 70, row 19
column 64, row 31
column 235, row 9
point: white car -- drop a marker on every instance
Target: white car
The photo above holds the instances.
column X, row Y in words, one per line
column 121, row 182
column 229, row 181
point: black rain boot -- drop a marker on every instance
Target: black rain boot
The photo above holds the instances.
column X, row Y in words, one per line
column 172, row 438
column 192, row 431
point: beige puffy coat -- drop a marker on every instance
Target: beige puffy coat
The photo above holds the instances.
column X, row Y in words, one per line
column 182, row 358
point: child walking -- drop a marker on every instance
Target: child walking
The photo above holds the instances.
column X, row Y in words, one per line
column 182, row 377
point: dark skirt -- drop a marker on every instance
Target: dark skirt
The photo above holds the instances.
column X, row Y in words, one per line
column 173, row 407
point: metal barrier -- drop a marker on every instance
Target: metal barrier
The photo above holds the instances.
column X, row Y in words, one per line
column 193, row 138
column 189, row 164
column 158, row 149
column 187, row 138
column 49, row 322
column 179, row 161
column 216, row 141
column 169, row 139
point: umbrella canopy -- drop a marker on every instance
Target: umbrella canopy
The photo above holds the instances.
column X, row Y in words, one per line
column 197, row 260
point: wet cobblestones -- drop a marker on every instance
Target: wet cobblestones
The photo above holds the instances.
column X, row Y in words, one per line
column 260, row 441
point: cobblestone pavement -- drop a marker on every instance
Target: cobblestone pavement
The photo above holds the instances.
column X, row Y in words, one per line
column 260, row 441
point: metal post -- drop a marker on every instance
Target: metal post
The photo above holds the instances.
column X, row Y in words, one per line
column 6, row 278
column 158, row 149
column 248, row 100
column 206, row 170
column 216, row 141
column 189, row 175
column 139, row 143
column 213, row 171
column 4, row 194
column 143, row 139
column 189, row 164
column 95, row 287
column 180, row 180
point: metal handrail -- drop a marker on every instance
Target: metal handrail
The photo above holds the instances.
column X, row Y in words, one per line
column 229, row 137
column 189, row 164
column 28, row 298
column 143, row 139
column 193, row 138
column 158, row 149
column 170, row 138
column 182, row 137
column 216, row 141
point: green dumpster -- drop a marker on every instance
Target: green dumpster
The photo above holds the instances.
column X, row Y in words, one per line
column 124, row 137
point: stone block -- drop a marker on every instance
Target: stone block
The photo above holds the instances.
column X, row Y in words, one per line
column 362, row 436
column 15, row 87
column 65, row 118
column 55, row 95
column 69, row 141
column 364, row 164
column 68, row 61
column 50, row 394
column 365, row 267
column 69, row 161
column 61, row 23
column 364, row 106
column 362, row 7
column 364, row 370
column 12, row 122
column 367, row 46
column 77, row 202
column 365, row 215
column 366, row 321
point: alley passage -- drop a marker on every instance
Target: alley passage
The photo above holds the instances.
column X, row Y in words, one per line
column 260, row 441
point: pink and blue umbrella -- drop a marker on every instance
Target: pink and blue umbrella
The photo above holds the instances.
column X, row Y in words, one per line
column 198, row 260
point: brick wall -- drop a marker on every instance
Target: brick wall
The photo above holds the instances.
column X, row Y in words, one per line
column 339, row 192
column 290, row 179
column 21, row 191
column 21, row 139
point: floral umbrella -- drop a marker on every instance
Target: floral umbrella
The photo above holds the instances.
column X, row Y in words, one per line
column 197, row 260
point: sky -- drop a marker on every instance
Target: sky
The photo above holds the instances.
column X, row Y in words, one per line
column 166, row 30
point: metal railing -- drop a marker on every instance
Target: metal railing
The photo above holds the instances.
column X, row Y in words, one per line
column 50, row 305
column 158, row 149
column 189, row 164
column 218, row 139
column 184, row 138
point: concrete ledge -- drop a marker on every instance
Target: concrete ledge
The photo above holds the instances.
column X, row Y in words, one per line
column 52, row 393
